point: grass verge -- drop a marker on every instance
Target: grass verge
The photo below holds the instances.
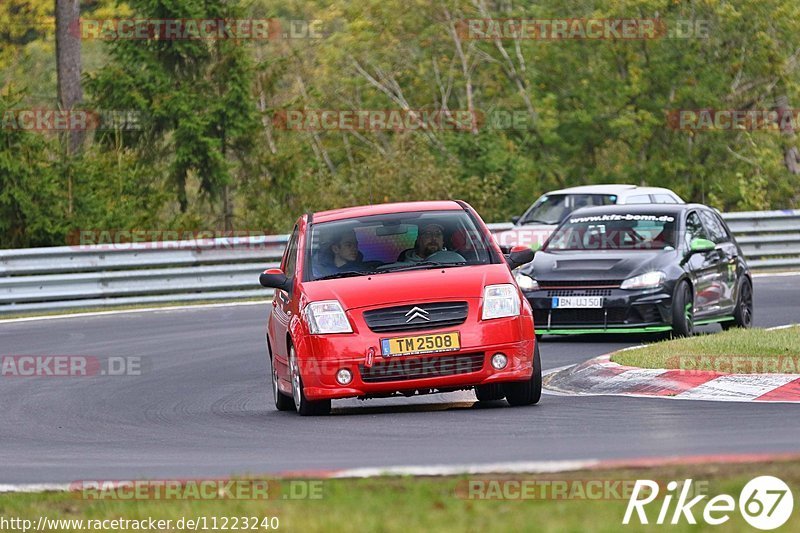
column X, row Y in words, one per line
column 437, row 503
column 737, row 351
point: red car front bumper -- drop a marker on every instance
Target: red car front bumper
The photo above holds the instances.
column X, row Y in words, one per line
column 324, row 355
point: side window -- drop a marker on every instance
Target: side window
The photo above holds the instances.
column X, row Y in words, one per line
column 639, row 199
column 664, row 199
column 722, row 225
column 290, row 258
column 694, row 228
column 714, row 227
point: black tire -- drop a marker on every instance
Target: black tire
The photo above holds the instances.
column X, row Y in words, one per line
column 489, row 393
column 743, row 314
column 282, row 402
column 304, row 406
column 683, row 310
column 526, row 392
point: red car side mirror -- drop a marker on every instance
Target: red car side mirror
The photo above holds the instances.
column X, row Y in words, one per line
column 274, row 278
column 519, row 256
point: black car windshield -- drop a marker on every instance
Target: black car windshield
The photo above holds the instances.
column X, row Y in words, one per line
column 378, row 244
column 623, row 231
column 553, row 208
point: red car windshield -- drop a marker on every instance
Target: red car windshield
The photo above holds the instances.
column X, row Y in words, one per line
column 624, row 231
column 393, row 242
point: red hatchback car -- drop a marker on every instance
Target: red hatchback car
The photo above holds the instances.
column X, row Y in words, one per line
column 405, row 298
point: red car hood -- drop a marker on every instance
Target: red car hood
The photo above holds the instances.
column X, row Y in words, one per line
column 408, row 287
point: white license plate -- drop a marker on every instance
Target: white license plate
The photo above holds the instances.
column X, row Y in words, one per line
column 579, row 302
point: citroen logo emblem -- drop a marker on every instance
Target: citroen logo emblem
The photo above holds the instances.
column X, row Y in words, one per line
column 417, row 312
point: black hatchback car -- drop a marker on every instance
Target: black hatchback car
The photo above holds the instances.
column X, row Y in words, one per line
column 638, row 269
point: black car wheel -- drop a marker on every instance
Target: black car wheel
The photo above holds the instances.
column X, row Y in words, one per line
column 526, row 392
column 743, row 314
column 489, row 393
column 303, row 405
column 282, row 401
column 683, row 310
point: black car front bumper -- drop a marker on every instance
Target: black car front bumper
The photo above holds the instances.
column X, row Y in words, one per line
column 622, row 311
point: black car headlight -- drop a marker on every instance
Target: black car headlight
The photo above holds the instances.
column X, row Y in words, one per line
column 648, row 280
column 525, row 282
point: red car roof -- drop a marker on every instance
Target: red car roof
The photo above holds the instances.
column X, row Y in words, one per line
column 383, row 209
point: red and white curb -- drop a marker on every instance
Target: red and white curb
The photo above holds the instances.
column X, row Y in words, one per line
column 601, row 377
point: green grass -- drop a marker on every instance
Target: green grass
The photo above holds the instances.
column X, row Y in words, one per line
column 736, row 351
column 427, row 504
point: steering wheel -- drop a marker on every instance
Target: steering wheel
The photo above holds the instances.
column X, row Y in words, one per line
column 446, row 256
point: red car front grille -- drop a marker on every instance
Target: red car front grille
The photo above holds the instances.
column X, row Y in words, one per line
column 436, row 315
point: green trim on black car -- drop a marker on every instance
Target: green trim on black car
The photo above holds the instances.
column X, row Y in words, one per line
column 645, row 329
column 704, row 321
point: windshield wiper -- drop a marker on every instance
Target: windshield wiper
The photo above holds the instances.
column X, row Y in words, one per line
column 423, row 265
column 345, row 274
column 536, row 221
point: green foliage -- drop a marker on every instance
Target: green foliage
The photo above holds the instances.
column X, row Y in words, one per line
column 31, row 203
column 590, row 111
column 194, row 96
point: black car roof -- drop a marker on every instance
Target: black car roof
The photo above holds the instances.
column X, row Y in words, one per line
column 636, row 209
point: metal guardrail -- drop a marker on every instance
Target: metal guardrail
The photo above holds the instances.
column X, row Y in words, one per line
column 770, row 240
column 70, row 277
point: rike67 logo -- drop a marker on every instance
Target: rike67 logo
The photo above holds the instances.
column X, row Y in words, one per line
column 765, row 503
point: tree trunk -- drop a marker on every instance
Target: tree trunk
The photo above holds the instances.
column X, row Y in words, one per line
column 791, row 156
column 68, row 61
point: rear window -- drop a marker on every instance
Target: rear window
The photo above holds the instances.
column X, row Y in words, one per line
column 625, row 231
column 639, row 199
column 665, row 199
column 553, row 208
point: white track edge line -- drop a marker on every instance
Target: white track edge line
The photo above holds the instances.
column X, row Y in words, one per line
column 125, row 311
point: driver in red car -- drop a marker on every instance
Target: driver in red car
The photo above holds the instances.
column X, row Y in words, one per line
column 429, row 241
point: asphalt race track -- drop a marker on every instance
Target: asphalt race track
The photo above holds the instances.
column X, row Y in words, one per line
column 202, row 407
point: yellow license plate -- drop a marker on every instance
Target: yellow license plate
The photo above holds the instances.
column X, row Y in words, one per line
column 439, row 342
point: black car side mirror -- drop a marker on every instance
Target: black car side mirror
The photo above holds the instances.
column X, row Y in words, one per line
column 274, row 278
column 519, row 256
column 701, row 245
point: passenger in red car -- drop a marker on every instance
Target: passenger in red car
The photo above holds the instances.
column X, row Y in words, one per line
column 343, row 254
column 345, row 249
